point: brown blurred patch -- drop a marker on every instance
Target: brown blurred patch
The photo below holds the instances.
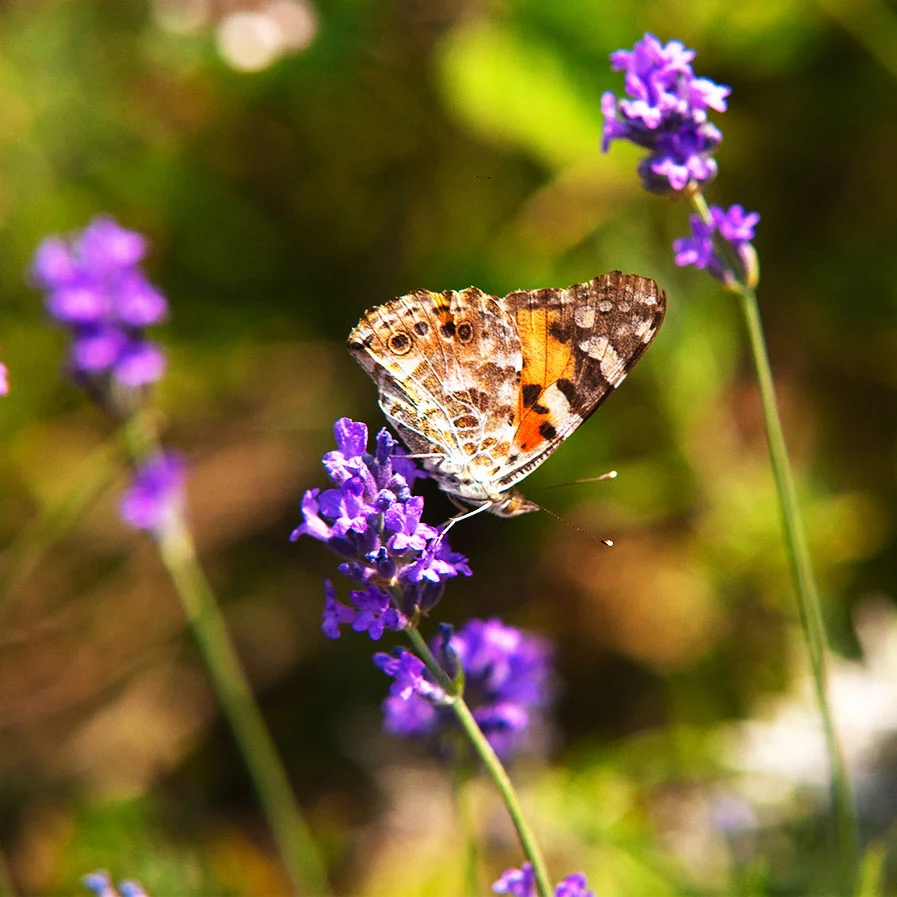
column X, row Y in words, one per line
column 645, row 598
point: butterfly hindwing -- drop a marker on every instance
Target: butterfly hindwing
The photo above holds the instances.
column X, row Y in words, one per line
column 447, row 366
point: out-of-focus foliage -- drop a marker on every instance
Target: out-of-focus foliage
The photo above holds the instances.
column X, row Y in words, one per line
column 290, row 176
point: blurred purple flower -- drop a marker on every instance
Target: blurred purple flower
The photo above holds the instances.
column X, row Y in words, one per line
column 97, row 290
column 506, row 675
column 735, row 227
column 372, row 521
column 410, row 676
column 517, row 882
column 522, row 883
column 156, row 493
column 574, row 885
column 101, row 884
column 4, row 380
column 666, row 114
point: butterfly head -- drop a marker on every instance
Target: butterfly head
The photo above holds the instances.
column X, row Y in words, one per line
column 512, row 504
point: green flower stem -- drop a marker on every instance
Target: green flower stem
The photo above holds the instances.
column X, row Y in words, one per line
column 808, row 602
column 291, row 834
column 490, row 760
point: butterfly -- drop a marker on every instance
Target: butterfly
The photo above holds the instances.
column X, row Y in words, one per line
column 483, row 389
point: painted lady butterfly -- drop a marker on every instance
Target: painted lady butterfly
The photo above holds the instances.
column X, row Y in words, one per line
column 484, row 389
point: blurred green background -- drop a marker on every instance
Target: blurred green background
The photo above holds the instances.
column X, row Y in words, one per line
column 295, row 162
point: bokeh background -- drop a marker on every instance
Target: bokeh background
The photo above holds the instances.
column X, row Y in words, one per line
column 295, row 162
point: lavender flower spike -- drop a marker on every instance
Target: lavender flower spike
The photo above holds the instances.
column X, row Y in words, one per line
column 735, row 228
column 522, row 883
column 97, row 291
column 372, row 521
column 156, row 494
column 506, row 674
column 101, row 884
column 666, row 113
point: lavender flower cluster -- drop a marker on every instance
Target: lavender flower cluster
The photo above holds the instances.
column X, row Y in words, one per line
column 522, row 883
column 735, row 227
column 101, row 884
column 666, row 113
column 372, row 521
column 156, row 493
column 506, row 675
column 97, row 290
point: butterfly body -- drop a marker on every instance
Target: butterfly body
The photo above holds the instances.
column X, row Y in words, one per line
column 483, row 389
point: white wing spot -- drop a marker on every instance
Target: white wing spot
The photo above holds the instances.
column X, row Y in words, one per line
column 584, row 316
column 605, row 305
column 643, row 327
column 595, row 346
column 611, row 366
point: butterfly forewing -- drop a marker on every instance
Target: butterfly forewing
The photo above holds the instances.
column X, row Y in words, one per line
column 578, row 345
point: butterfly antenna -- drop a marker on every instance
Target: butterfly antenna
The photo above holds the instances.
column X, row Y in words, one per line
column 608, row 543
column 610, row 475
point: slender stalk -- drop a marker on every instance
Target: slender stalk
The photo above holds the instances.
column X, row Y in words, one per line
column 809, row 605
column 808, row 602
column 291, row 833
column 490, row 760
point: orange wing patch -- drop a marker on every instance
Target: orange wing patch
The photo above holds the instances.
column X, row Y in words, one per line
column 546, row 359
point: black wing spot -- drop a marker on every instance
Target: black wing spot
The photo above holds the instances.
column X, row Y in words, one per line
column 421, row 328
column 531, row 392
column 400, row 343
column 547, row 431
column 540, row 409
column 465, row 332
column 448, row 329
column 562, row 332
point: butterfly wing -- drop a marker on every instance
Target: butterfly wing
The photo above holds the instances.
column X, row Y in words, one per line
column 447, row 366
column 577, row 346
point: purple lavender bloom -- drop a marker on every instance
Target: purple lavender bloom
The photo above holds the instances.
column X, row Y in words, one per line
column 506, row 676
column 97, row 290
column 734, row 227
column 156, row 494
column 101, row 884
column 666, row 114
column 372, row 521
column 129, row 888
column 517, row 882
column 522, row 883
column 411, row 677
column 572, row 886
column 4, row 380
